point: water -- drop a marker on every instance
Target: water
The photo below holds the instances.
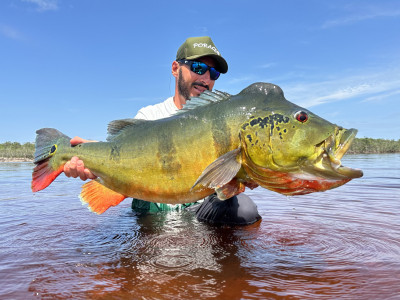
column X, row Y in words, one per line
column 344, row 243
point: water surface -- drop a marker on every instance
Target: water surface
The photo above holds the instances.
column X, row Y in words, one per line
column 344, row 243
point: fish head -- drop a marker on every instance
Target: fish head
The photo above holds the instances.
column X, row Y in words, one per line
column 283, row 140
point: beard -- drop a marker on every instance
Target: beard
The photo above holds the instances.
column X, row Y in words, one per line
column 184, row 87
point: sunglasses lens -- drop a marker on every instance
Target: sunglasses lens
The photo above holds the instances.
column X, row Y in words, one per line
column 199, row 67
column 214, row 74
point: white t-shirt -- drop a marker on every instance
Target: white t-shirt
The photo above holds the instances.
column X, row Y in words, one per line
column 158, row 111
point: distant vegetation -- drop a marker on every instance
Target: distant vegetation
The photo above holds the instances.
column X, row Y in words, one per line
column 368, row 145
column 17, row 151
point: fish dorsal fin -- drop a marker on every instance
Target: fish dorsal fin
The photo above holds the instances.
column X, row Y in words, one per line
column 206, row 98
column 117, row 126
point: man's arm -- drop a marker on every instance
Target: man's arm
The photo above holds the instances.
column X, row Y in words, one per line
column 75, row 167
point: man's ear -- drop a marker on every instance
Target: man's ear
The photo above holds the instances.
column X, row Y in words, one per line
column 175, row 68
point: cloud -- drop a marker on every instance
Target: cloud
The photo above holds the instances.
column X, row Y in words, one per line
column 43, row 5
column 240, row 80
column 267, row 65
column 10, row 32
column 372, row 84
column 382, row 96
column 373, row 14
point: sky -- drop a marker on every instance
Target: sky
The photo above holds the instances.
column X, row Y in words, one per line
column 76, row 65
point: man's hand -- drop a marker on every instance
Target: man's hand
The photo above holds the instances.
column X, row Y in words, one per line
column 75, row 167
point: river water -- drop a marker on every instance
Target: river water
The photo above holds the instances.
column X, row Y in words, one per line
column 340, row 244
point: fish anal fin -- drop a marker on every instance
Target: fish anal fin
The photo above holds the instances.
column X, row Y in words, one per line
column 43, row 175
column 98, row 197
column 230, row 189
column 221, row 171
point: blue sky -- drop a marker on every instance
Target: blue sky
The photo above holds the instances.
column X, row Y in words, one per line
column 75, row 65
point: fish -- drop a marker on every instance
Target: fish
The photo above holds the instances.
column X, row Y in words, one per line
column 218, row 143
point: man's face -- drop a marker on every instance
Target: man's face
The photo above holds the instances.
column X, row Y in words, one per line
column 191, row 84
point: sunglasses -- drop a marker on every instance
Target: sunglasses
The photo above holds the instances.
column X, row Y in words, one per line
column 201, row 68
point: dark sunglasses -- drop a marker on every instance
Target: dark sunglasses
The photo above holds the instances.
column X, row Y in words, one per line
column 201, row 68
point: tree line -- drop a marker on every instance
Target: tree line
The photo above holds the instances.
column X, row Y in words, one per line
column 15, row 150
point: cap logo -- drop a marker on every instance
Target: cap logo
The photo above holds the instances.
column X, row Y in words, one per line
column 205, row 45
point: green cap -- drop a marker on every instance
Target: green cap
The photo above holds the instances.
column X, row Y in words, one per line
column 196, row 47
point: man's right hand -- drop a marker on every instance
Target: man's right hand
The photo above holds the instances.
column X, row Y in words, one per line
column 75, row 167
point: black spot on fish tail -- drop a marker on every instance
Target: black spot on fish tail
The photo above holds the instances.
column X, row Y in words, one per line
column 53, row 149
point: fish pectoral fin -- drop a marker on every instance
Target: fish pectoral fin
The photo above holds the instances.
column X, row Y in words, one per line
column 232, row 188
column 221, row 171
column 98, row 197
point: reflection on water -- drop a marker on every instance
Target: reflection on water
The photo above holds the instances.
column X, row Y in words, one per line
column 343, row 243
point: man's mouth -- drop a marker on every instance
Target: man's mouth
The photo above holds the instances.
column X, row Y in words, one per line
column 200, row 87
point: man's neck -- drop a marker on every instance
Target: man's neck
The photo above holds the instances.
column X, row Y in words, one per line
column 179, row 101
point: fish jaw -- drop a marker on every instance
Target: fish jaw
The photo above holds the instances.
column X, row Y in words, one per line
column 290, row 183
column 322, row 172
column 327, row 163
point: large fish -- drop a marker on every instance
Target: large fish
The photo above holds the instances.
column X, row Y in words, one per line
column 217, row 143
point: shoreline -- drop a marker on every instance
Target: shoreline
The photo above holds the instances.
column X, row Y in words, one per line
column 15, row 159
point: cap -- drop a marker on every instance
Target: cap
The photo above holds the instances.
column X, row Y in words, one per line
column 196, row 47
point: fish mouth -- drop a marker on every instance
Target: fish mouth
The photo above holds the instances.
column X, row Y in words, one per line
column 331, row 150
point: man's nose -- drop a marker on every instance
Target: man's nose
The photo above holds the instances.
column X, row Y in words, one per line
column 206, row 77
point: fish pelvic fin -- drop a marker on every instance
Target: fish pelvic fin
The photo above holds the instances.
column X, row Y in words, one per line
column 221, row 171
column 47, row 144
column 98, row 197
column 230, row 189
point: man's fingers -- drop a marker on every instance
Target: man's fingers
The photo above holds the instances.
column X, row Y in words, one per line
column 76, row 168
column 80, row 170
column 89, row 174
column 67, row 169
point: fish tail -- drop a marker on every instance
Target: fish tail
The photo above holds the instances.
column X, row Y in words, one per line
column 48, row 144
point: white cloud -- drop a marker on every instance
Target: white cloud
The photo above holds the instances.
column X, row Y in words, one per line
column 240, row 80
column 372, row 85
column 267, row 65
column 43, row 5
column 10, row 32
column 382, row 96
column 372, row 14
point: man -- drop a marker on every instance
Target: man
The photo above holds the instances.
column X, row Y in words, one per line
column 197, row 66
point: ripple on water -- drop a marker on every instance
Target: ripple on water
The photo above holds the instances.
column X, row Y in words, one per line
column 337, row 244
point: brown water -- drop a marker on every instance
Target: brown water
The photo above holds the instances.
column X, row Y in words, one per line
column 343, row 243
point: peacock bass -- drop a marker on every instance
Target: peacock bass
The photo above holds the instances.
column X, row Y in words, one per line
column 216, row 143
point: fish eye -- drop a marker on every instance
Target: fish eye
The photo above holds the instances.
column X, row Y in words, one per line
column 301, row 116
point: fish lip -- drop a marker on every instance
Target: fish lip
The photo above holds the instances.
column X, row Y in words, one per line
column 333, row 149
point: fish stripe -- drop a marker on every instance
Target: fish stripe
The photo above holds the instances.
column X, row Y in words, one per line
column 167, row 154
column 221, row 136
